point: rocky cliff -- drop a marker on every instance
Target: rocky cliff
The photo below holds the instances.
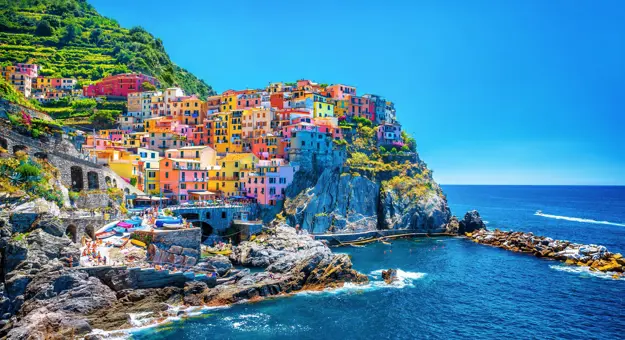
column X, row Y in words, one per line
column 370, row 190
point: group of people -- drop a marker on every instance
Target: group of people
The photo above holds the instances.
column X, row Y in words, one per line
column 93, row 254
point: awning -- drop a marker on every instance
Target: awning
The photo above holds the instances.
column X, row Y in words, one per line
column 202, row 193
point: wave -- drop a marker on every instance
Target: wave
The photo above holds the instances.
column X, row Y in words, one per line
column 145, row 320
column 404, row 279
column 581, row 220
column 585, row 271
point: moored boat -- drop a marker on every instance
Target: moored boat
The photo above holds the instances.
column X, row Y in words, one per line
column 104, row 235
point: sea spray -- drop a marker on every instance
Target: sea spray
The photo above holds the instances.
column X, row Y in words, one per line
column 578, row 219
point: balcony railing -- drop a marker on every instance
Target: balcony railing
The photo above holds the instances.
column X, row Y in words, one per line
column 220, row 178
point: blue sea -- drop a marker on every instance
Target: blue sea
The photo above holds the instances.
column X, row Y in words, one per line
column 451, row 287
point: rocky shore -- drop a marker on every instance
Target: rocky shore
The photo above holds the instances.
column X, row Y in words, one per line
column 42, row 297
column 595, row 257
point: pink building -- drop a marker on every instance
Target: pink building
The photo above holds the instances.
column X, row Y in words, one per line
column 179, row 178
column 390, row 134
column 30, row 70
column 269, row 180
column 340, row 91
column 359, row 107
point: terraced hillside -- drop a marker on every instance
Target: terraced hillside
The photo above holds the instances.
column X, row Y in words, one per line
column 70, row 39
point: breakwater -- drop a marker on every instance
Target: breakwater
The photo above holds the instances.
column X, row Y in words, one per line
column 596, row 257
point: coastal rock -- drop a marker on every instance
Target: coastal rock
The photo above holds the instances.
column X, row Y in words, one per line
column 56, row 302
column 472, row 221
column 336, row 202
column 453, row 226
column 293, row 262
column 594, row 256
column 218, row 264
column 282, row 246
column 428, row 214
column 38, row 206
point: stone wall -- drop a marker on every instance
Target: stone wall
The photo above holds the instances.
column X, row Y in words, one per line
column 186, row 238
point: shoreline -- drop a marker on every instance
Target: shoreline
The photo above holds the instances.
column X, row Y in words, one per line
column 181, row 312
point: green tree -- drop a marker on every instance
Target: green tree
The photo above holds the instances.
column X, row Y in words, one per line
column 96, row 36
column 147, row 86
column 44, row 29
column 71, row 33
column 102, row 119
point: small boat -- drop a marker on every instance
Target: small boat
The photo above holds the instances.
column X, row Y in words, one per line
column 539, row 212
column 138, row 243
column 170, row 226
column 120, row 230
column 104, row 235
column 107, row 227
column 220, row 252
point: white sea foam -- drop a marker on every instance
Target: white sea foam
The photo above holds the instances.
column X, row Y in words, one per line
column 584, row 271
column 581, row 220
column 145, row 320
column 404, row 279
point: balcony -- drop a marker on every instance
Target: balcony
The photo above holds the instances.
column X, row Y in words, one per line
column 220, row 178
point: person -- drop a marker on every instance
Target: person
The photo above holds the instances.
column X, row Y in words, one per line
column 104, row 260
column 70, row 260
column 297, row 229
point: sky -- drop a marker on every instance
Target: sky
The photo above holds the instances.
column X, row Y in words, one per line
column 494, row 92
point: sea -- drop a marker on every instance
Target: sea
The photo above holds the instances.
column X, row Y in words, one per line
column 452, row 288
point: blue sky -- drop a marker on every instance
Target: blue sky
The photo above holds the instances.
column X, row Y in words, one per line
column 495, row 92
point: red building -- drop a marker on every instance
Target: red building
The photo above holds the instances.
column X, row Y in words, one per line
column 119, row 85
column 277, row 100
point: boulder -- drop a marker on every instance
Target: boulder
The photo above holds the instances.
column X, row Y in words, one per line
column 471, row 222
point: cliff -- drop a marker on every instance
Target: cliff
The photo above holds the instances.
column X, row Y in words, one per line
column 370, row 189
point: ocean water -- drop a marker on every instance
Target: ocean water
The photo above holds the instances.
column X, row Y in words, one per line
column 453, row 288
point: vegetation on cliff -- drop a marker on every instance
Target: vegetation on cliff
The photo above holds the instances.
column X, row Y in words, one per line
column 22, row 175
column 69, row 38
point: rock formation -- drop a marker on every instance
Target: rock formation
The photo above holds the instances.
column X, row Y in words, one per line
column 472, row 221
column 597, row 258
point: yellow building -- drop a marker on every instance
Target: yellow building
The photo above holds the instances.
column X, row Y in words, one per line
column 341, row 108
column 133, row 140
column 126, row 165
column 228, row 102
column 225, row 177
column 322, row 107
column 235, row 132
column 150, row 161
column 220, row 131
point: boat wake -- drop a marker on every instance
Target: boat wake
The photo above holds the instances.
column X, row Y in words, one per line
column 584, row 271
column 577, row 219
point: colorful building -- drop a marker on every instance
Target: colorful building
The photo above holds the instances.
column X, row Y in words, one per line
column 340, row 91
column 389, row 134
column 180, row 178
column 269, row 180
column 225, row 177
column 22, row 82
column 119, row 85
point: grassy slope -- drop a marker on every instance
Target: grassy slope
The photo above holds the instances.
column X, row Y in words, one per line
column 83, row 44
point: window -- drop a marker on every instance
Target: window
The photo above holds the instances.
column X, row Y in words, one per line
column 183, row 186
column 167, row 175
column 223, row 214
